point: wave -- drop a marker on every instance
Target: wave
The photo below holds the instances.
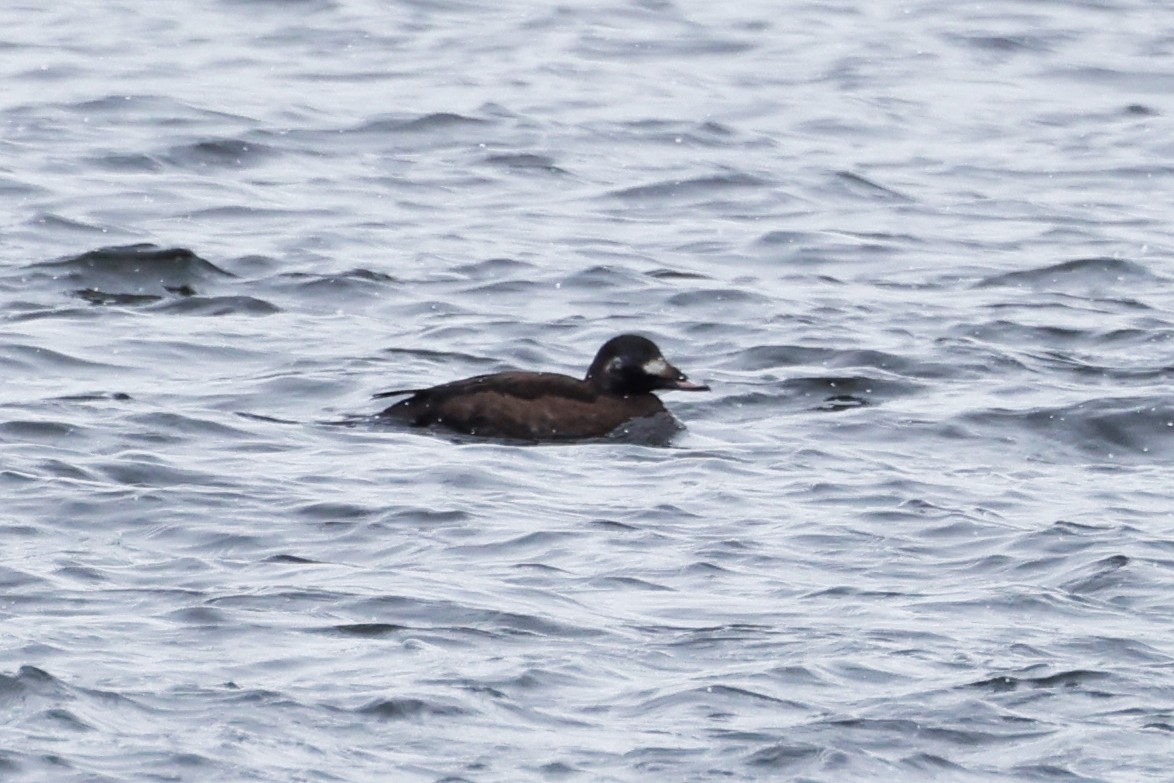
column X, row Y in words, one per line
column 1080, row 273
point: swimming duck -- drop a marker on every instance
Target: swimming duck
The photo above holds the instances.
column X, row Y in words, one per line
column 617, row 390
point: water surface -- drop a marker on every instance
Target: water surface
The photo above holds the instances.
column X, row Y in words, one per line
column 919, row 530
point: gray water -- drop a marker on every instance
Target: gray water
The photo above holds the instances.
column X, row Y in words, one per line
column 920, row 529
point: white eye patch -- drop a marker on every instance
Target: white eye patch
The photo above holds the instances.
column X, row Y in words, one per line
column 657, row 366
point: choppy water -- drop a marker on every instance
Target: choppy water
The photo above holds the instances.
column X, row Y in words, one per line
column 920, row 530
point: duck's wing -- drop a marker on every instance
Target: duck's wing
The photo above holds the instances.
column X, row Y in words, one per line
column 523, row 385
column 509, row 404
column 445, row 389
column 451, row 387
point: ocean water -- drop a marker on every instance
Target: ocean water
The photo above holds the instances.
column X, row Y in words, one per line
column 920, row 529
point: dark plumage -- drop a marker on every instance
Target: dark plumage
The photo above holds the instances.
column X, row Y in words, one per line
column 549, row 406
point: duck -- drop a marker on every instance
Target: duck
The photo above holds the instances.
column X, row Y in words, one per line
column 616, row 393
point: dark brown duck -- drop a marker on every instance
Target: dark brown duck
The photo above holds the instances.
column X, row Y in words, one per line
column 618, row 389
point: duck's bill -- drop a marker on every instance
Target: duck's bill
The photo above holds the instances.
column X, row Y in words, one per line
column 684, row 384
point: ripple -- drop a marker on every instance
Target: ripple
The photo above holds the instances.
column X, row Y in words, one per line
column 409, row 709
column 495, row 269
column 337, row 285
column 1067, row 680
column 219, row 153
column 148, row 471
column 212, row 306
column 1082, row 274
column 370, row 630
column 133, row 266
column 526, row 163
column 128, row 163
column 763, row 357
column 449, row 614
column 691, row 189
column 863, row 187
column 426, row 124
column 1106, row 427
column 788, row 757
column 866, row 390
column 30, row 358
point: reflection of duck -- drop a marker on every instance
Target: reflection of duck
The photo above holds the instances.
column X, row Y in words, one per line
column 550, row 406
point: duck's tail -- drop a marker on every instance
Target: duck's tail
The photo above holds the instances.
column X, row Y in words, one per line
column 395, row 393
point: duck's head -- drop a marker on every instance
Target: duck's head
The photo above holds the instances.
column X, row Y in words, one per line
column 630, row 364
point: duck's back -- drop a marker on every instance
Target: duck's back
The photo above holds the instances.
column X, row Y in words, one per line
column 524, row 405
